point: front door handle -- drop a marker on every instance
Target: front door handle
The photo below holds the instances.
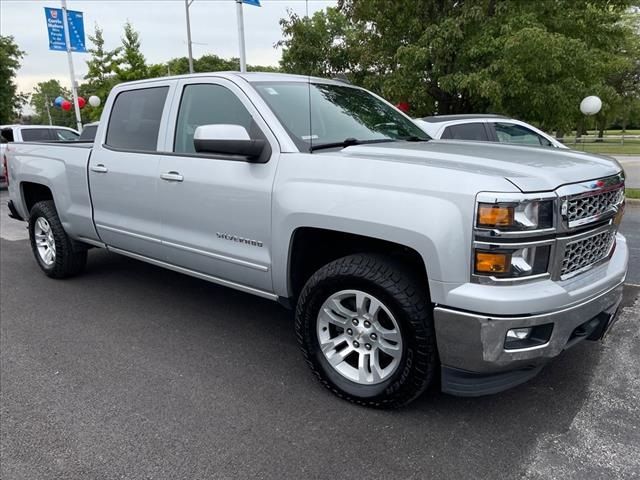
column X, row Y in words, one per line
column 171, row 177
column 100, row 168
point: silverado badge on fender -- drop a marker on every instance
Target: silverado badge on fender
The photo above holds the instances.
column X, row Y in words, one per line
column 235, row 238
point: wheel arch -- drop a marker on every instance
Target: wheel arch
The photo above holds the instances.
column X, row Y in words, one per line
column 34, row 192
column 312, row 247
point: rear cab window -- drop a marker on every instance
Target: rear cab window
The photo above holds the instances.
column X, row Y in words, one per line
column 134, row 122
column 88, row 133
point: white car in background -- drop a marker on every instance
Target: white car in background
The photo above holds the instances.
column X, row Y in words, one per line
column 485, row 128
column 31, row 133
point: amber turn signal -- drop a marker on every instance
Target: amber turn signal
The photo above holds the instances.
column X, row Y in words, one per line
column 493, row 262
column 490, row 215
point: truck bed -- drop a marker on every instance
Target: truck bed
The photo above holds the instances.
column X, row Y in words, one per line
column 61, row 166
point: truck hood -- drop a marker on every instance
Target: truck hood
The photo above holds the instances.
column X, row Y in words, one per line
column 531, row 169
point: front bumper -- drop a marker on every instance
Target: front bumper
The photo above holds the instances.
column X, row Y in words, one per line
column 471, row 345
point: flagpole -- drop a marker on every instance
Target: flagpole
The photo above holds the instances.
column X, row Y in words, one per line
column 74, row 86
column 243, row 58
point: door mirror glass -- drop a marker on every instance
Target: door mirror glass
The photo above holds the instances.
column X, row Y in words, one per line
column 227, row 139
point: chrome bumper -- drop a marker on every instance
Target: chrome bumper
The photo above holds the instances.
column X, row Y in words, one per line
column 474, row 342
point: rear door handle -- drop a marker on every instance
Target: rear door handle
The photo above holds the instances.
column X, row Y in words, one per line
column 100, row 168
column 171, row 177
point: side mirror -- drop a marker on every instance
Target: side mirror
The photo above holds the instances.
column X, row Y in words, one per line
column 229, row 140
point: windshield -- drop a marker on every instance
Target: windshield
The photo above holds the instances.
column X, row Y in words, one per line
column 338, row 113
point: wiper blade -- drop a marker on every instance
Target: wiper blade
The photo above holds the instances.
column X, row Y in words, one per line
column 413, row 138
column 348, row 142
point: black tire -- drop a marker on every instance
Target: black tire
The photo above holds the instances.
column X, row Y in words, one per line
column 405, row 297
column 70, row 257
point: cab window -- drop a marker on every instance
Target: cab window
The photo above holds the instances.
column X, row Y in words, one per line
column 466, row 131
column 36, row 135
column 511, row 133
column 135, row 118
column 62, row 134
column 209, row 104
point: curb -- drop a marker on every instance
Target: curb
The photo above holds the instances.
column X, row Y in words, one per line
column 633, row 201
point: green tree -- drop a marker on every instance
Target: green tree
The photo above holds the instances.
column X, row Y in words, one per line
column 42, row 99
column 317, row 45
column 133, row 65
column 10, row 101
column 101, row 75
column 206, row 63
column 534, row 60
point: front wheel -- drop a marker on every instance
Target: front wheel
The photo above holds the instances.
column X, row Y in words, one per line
column 57, row 255
column 365, row 327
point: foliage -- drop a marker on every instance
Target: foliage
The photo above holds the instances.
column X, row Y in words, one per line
column 206, row 63
column 132, row 64
column 101, row 75
column 42, row 99
column 532, row 60
column 317, row 45
column 10, row 102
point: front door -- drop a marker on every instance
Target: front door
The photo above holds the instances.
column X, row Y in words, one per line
column 217, row 209
column 124, row 173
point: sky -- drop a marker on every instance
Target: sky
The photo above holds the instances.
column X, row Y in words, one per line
column 162, row 28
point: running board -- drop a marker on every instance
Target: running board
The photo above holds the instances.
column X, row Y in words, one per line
column 193, row 273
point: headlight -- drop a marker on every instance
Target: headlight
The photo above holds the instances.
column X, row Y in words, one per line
column 515, row 216
column 513, row 236
column 517, row 262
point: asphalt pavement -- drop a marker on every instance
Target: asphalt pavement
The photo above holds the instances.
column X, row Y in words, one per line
column 631, row 165
column 131, row 371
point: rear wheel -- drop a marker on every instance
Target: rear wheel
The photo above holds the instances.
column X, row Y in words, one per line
column 57, row 255
column 365, row 327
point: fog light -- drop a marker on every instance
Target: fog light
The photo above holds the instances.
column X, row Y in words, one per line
column 518, row 334
column 527, row 337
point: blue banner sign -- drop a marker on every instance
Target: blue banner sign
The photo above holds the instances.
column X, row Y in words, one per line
column 252, row 2
column 55, row 27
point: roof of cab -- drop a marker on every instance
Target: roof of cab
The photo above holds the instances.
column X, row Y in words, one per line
column 250, row 77
column 18, row 125
column 451, row 118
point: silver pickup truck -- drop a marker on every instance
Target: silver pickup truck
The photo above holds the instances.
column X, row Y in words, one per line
column 408, row 261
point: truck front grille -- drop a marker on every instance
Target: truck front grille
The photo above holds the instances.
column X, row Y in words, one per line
column 589, row 206
column 583, row 253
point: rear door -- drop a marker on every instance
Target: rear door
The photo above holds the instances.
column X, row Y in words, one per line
column 124, row 170
column 217, row 208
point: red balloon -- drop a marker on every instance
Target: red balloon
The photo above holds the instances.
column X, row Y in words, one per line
column 404, row 106
column 81, row 102
column 66, row 105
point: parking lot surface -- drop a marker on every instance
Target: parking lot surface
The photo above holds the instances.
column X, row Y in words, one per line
column 631, row 165
column 131, row 371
